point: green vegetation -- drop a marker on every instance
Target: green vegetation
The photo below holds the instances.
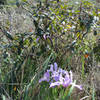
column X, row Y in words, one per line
column 64, row 32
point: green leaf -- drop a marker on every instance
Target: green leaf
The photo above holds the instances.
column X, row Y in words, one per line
column 70, row 91
column 24, row 0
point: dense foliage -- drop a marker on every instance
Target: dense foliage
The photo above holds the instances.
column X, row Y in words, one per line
column 64, row 32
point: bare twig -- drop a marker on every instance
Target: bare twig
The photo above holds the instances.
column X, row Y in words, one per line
column 84, row 97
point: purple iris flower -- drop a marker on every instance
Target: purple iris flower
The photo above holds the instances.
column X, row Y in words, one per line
column 51, row 68
column 37, row 39
column 46, row 77
column 57, row 76
column 55, row 66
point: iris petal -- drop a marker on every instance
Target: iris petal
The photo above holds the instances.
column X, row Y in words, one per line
column 55, row 66
column 55, row 84
column 51, row 68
